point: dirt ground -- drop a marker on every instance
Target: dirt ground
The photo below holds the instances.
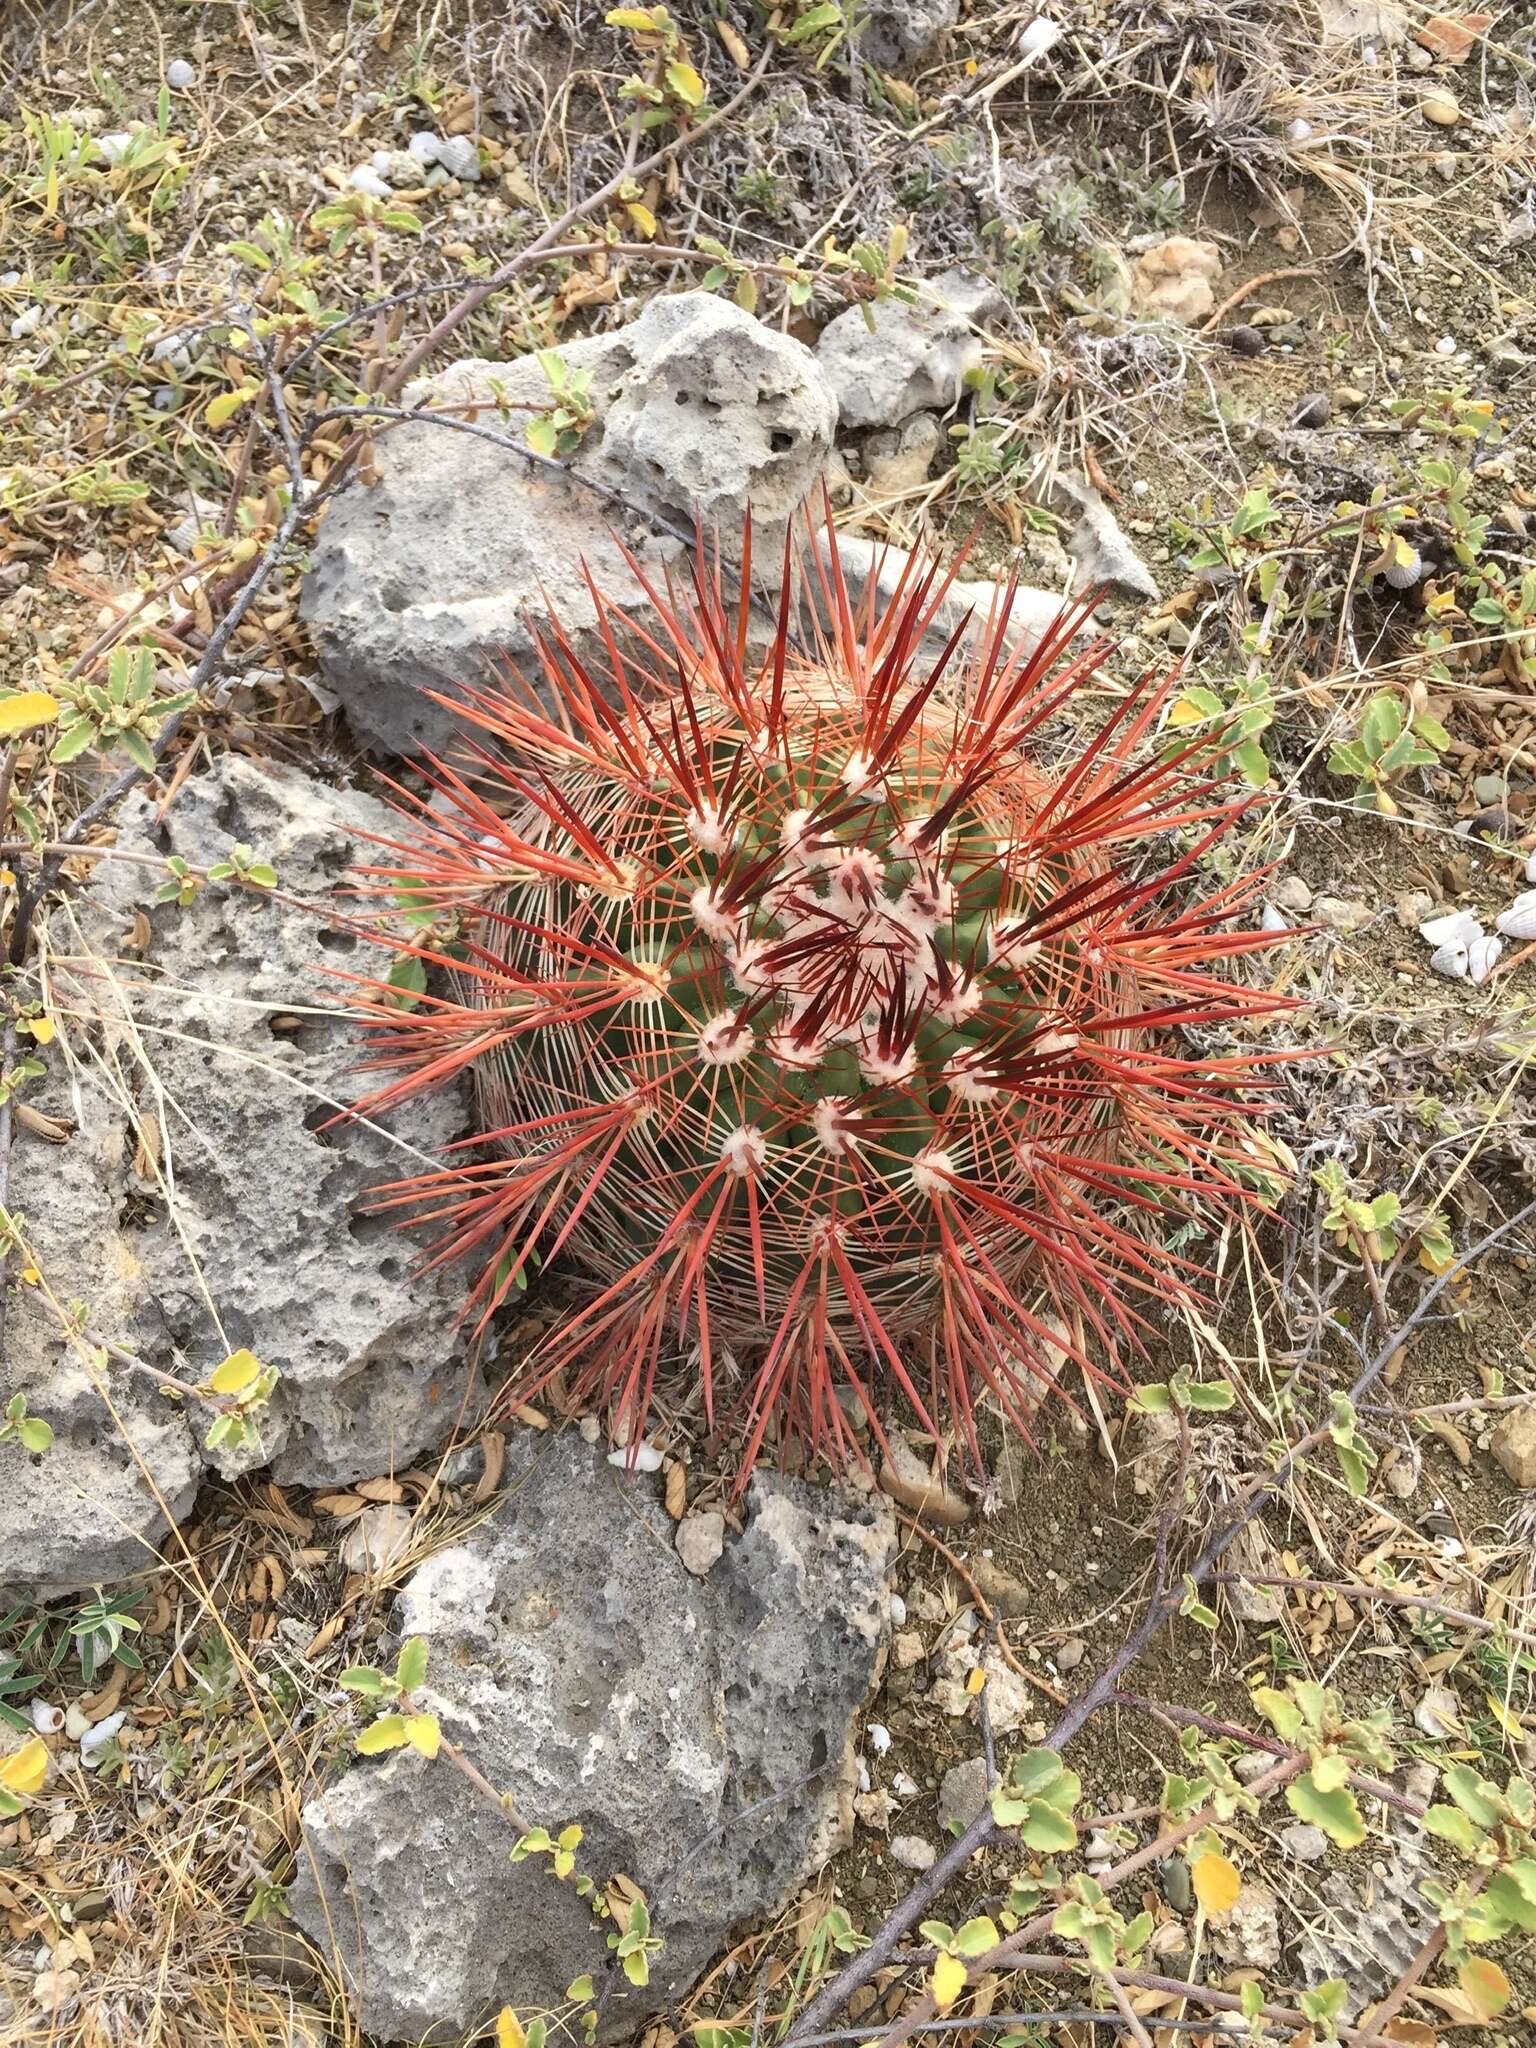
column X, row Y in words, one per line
column 1361, row 380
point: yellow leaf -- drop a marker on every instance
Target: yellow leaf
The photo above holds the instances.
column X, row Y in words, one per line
column 41, row 1029
column 1182, row 712
column 1216, row 1882
column 642, row 217
column 686, row 83
column 509, row 2029
column 236, row 1373
column 388, row 1732
column 947, row 1982
column 1486, row 1987
column 219, row 411
column 423, row 1733
column 976, row 1681
column 27, row 709
column 639, row 19
column 23, row 1773
column 1509, row 1721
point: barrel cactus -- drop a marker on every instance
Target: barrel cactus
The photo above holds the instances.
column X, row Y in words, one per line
column 849, row 1020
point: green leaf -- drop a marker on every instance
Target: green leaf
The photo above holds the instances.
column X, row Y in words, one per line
column 263, row 876
column 1211, row 1397
column 1477, row 1798
column 636, row 1968
column 365, row 1679
column 1048, row 1830
column 1505, row 1895
column 1382, row 723
column 73, row 741
column 1325, row 2002
column 1452, row 1825
column 138, row 749
column 580, row 1988
column 408, row 975
column 976, row 1937
column 1033, row 1775
column 411, row 1664
column 1153, row 1399
column 35, row 1434
column 1354, row 1468
column 1335, row 1812
column 746, row 292
column 1329, row 1771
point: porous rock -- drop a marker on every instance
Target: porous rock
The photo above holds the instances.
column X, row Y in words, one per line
column 894, row 33
column 201, row 1206
column 963, row 1793
column 90, row 1508
column 698, row 1730
column 915, row 356
column 253, row 1056
column 1175, row 279
column 453, row 559
column 1514, row 1444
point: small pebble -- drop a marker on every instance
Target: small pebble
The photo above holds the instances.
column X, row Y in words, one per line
column 879, row 1737
column 1247, row 341
column 1303, row 1842
column 641, row 1457
column 1070, row 1653
column 1446, row 345
column 180, row 76
column 913, row 1853
column 1441, row 108
column 898, row 1611
column 1314, row 411
column 1349, row 396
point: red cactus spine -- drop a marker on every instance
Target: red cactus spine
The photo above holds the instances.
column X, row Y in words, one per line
column 831, row 1027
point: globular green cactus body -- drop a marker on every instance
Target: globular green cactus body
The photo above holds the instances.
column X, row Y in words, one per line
column 823, row 1019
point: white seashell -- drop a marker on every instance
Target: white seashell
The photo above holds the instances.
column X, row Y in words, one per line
column 1404, row 575
column 47, row 1720
column 180, row 76
column 1299, row 130
column 1530, row 865
column 1450, row 960
column 1519, row 921
column 1041, row 35
column 898, row 1611
column 98, row 1737
column 366, row 179
column 424, row 145
column 1455, row 927
column 879, row 1737
column 864, row 1777
column 1274, row 920
column 1482, row 958
column 641, row 1457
